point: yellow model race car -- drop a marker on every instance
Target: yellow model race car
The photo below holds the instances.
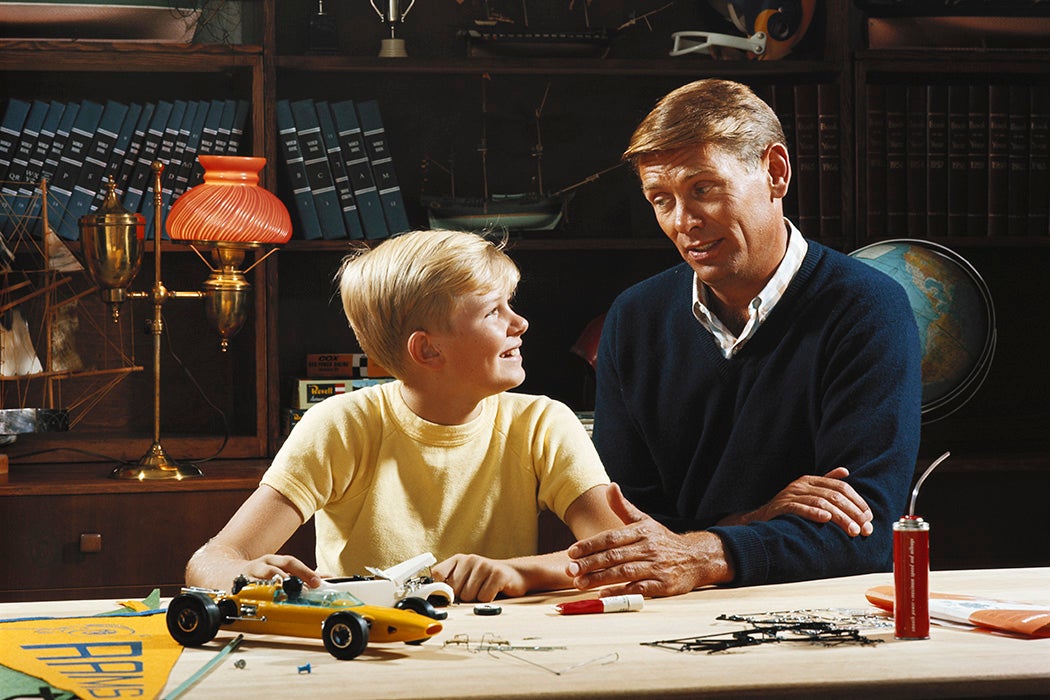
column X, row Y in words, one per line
column 343, row 622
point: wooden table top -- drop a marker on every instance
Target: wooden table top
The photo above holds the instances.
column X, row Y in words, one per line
column 605, row 655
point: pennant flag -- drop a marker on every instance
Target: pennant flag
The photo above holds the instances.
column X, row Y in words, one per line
column 93, row 657
column 18, row 685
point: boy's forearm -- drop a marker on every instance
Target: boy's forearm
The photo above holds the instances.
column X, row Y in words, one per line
column 214, row 566
column 543, row 572
column 477, row 578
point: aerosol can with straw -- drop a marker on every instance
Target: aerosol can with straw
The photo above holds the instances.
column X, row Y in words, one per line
column 911, row 569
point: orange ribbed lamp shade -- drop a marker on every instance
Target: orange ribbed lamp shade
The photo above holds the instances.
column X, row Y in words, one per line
column 230, row 206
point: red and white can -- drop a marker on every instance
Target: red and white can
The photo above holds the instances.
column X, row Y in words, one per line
column 911, row 578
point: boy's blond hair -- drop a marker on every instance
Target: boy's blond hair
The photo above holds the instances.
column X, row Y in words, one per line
column 412, row 282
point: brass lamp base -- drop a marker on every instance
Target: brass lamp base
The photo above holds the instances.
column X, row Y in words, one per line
column 155, row 465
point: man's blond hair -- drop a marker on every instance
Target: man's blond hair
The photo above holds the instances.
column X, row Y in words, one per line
column 413, row 282
column 722, row 113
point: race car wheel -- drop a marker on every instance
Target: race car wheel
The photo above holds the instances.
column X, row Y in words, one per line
column 193, row 619
column 228, row 610
column 423, row 607
column 345, row 635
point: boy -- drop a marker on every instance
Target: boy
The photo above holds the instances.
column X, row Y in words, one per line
column 443, row 459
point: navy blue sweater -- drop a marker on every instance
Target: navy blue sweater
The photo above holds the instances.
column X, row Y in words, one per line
column 831, row 378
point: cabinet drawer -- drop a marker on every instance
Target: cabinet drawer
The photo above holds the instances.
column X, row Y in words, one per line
column 105, row 545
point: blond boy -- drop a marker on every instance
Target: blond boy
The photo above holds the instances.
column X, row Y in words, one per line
column 444, row 459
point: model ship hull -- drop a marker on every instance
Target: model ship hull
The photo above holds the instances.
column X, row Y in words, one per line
column 484, row 42
column 510, row 212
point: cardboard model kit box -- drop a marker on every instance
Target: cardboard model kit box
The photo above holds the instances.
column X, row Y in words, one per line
column 351, row 364
column 289, row 418
column 310, row 392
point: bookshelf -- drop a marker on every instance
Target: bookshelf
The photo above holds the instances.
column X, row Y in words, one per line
column 119, row 427
column 999, row 441
column 430, row 103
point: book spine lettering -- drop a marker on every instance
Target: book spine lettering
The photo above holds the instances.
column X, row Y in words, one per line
column 998, row 158
column 896, row 160
column 23, row 150
column 309, row 227
column 784, row 106
column 72, row 162
column 1017, row 187
column 977, row 163
column 829, row 159
column 915, row 169
column 318, row 172
column 808, row 149
column 875, row 150
column 378, row 149
column 1039, row 162
column 355, row 158
column 937, row 160
column 347, row 203
column 91, row 178
column 958, row 157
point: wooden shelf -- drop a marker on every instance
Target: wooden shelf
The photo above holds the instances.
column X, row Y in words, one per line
column 68, row 479
column 553, row 243
column 123, row 56
column 986, row 61
column 688, row 67
column 989, row 242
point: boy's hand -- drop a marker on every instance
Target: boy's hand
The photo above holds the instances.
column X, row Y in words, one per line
column 477, row 578
column 267, row 566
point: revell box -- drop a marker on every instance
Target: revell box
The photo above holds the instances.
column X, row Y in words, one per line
column 289, row 417
column 351, row 364
column 310, row 392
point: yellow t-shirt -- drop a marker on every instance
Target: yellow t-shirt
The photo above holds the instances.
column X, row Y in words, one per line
column 384, row 485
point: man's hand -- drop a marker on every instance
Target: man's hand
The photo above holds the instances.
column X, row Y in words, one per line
column 821, row 499
column 477, row 578
column 645, row 557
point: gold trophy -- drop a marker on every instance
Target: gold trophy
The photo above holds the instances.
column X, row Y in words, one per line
column 392, row 47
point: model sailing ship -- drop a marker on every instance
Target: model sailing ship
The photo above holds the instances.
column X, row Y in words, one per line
column 537, row 209
column 47, row 305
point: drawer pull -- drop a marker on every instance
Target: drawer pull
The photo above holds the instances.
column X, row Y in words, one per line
column 90, row 542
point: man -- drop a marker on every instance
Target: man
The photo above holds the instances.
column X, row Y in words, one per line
column 759, row 404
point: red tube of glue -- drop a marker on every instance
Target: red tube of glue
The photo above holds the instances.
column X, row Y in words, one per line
column 615, row 603
column 911, row 569
column 911, row 574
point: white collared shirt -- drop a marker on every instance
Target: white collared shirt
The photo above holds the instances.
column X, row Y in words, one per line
column 760, row 306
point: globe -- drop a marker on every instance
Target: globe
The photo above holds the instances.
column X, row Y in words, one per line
column 954, row 313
